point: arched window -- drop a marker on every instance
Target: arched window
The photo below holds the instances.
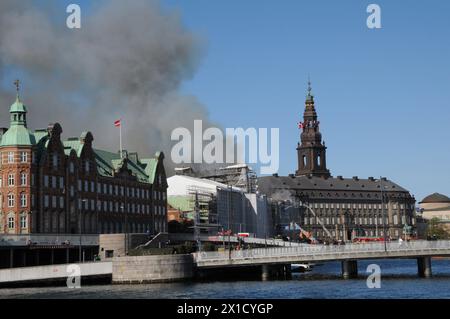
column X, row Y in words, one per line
column 71, row 167
column 304, row 160
column 23, row 221
column 23, row 200
column 11, row 200
column 318, row 160
column 11, row 222
column 11, row 181
column 23, row 179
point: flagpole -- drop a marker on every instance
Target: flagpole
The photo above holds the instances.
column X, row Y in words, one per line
column 120, row 138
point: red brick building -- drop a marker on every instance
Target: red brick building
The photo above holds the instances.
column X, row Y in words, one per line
column 50, row 185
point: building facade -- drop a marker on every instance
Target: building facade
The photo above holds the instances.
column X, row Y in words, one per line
column 436, row 206
column 50, row 185
column 344, row 208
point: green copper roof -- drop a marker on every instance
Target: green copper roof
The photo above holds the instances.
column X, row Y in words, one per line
column 150, row 165
column 18, row 106
column 108, row 163
column 73, row 144
column 18, row 135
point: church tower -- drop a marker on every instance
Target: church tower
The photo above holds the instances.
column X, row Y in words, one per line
column 312, row 151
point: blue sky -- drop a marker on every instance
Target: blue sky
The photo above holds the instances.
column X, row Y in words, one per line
column 382, row 95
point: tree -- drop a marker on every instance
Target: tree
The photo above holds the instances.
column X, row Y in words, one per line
column 435, row 229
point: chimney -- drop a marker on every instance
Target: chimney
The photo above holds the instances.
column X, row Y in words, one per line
column 275, row 175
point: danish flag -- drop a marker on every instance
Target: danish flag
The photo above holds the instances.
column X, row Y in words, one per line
column 117, row 123
column 301, row 125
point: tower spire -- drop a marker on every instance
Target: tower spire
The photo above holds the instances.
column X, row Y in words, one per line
column 17, row 84
column 309, row 96
column 311, row 151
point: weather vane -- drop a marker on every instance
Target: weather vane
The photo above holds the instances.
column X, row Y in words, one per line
column 17, row 84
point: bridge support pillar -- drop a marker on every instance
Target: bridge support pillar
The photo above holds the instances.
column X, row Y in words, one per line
column 424, row 267
column 287, row 271
column 265, row 272
column 349, row 269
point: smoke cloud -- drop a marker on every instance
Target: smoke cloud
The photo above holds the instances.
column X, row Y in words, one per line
column 127, row 61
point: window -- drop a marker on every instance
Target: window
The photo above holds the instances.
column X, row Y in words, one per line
column 23, row 221
column 46, row 180
column 23, row 200
column 10, row 157
column 11, row 222
column 61, row 182
column 61, row 202
column 54, row 201
column 23, row 157
column 71, row 167
column 1, row 181
column 11, row 179
column 53, row 181
column 55, row 160
column 32, row 180
column 86, row 166
column 11, row 200
column 46, row 201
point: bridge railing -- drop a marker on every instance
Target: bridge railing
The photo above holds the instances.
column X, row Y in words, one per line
column 305, row 250
column 48, row 239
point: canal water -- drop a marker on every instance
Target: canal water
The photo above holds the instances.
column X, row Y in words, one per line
column 398, row 280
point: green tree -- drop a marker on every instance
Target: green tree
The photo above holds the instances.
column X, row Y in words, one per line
column 436, row 229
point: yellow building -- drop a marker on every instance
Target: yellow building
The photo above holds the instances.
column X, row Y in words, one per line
column 436, row 206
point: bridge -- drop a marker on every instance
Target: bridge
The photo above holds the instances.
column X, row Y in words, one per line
column 348, row 254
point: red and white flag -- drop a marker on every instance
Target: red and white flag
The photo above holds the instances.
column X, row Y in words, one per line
column 301, row 125
column 117, row 123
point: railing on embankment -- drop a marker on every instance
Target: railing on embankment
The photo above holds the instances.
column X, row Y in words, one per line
column 311, row 253
column 48, row 240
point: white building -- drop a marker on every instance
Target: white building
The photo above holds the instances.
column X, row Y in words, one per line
column 234, row 209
